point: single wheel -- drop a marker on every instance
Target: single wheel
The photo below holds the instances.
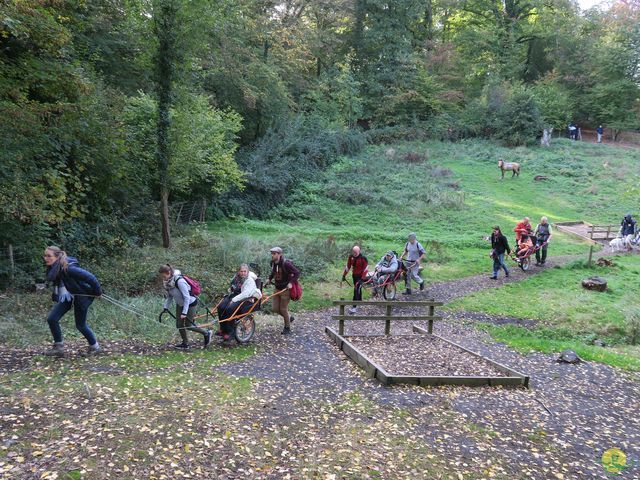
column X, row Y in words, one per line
column 525, row 263
column 389, row 291
column 245, row 327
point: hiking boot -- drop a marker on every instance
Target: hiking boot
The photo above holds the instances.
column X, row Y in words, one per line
column 493, row 278
column 353, row 310
column 291, row 318
column 93, row 349
column 506, row 275
column 407, row 291
column 207, row 338
column 56, row 351
column 422, row 286
column 286, row 331
column 183, row 346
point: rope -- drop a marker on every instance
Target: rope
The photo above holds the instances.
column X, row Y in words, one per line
column 140, row 313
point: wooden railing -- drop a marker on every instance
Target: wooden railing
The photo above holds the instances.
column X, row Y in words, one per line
column 607, row 230
column 388, row 316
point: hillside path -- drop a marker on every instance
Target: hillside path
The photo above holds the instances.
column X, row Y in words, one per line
column 557, row 429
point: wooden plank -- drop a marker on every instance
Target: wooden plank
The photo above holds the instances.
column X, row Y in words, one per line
column 417, row 318
column 387, row 322
column 372, row 369
column 498, row 366
column 341, row 326
column 431, row 314
column 400, row 304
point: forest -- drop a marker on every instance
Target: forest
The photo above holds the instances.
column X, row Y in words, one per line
column 111, row 111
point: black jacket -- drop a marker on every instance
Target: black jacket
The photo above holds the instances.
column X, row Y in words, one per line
column 500, row 244
column 77, row 280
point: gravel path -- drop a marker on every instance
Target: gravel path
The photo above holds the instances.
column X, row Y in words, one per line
column 557, row 429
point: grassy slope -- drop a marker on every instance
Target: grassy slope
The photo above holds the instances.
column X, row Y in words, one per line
column 376, row 199
column 451, row 196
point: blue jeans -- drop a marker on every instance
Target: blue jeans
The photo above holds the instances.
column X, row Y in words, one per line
column 498, row 262
column 80, row 309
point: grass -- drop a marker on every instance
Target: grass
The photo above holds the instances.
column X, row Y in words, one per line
column 569, row 316
column 450, row 194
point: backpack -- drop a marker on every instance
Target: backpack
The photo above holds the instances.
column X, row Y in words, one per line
column 295, row 293
column 194, row 286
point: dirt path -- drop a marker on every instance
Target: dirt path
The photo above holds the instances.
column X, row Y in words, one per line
column 301, row 409
column 557, row 429
column 448, row 291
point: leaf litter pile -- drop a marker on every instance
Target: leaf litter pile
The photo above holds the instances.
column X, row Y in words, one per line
column 295, row 407
column 422, row 356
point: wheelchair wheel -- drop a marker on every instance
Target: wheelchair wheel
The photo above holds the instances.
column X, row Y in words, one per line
column 389, row 291
column 525, row 263
column 244, row 329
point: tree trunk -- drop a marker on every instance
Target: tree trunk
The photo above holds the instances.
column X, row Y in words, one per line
column 165, row 30
column 164, row 214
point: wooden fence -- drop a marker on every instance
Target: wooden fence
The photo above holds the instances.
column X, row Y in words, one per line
column 388, row 317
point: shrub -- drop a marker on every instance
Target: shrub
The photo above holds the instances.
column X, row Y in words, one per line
column 518, row 121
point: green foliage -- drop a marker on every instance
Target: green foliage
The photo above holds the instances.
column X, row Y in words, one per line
column 518, row 122
column 295, row 151
column 555, row 102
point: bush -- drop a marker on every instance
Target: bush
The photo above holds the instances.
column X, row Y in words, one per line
column 518, row 121
column 287, row 155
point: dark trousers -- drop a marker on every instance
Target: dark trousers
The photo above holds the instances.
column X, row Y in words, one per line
column 544, row 253
column 80, row 309
column 188, row 323
column 229, row 311
column 357, row 287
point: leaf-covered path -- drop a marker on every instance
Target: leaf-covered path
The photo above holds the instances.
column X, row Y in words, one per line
column 296, row 407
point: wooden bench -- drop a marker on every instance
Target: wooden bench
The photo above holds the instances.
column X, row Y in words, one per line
column 388, row 316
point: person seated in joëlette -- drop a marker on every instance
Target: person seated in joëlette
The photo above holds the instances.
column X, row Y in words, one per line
column 241, row 298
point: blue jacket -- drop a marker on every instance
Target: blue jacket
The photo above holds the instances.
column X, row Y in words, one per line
column 77, row 280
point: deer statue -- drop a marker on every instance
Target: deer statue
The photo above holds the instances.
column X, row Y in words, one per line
column 514, row 167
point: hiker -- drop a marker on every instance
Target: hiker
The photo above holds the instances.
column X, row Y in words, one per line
column 178, row 290
column 543, row 236
column 499, row 245
column 573, row 130
column 523, row 228
column 72, row 287
column 599, row 133
column 283, row 274
column 359, row 264
column 628, row 229
column 388, row 265
column 242, row 295
column 415, row 253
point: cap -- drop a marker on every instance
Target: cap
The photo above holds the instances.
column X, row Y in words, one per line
column 276, row 250
column 390, row 252
column 412, row 235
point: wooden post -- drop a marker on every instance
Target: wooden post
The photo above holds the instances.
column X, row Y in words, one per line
column 432, row 311
column 341, row 324
column 608, row 231
column 387, row 322
column 591, row 232
column 12, row 264
column 590, row 256
column 179, row 213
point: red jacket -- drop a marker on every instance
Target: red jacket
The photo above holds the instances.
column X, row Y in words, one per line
column 359, row 265
column 521, row 228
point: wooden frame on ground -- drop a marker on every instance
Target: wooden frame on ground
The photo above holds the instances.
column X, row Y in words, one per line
column 374, row 370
